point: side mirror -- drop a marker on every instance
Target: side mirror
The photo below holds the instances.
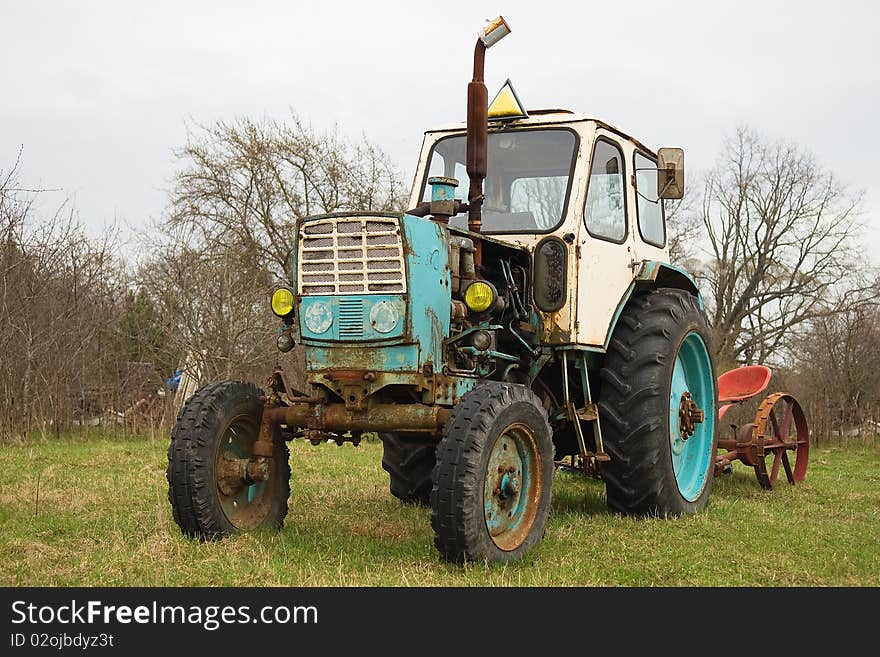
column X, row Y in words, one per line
column 670, row 173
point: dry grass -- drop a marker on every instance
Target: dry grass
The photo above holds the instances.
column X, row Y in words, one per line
column 94, row 512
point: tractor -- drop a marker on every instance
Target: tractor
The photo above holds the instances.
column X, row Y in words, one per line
column 521, row 315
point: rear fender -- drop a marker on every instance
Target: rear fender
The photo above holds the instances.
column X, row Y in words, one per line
column 654, row 274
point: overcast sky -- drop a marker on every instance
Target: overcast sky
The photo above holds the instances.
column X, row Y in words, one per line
column 98, row 93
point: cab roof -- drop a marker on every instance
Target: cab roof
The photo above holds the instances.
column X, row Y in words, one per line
column 545, row 117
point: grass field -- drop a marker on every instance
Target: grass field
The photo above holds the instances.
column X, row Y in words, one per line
column 94, row 512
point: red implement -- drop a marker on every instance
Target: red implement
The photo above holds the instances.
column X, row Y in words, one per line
column 741, row 384
column 779, row 431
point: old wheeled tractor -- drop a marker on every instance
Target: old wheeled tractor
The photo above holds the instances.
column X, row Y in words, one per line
column 485, row 337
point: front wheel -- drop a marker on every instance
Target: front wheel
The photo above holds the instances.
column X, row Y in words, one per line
column 493, row 478
column 215, row 484
column 658, row 407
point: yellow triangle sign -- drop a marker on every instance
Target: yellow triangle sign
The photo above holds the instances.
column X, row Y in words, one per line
column 506, row 105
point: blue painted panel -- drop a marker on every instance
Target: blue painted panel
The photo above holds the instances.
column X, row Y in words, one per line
column 426, row 245
column 352, row 318
column 385, row 358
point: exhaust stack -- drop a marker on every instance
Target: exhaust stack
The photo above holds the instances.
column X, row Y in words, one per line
column 478, row 123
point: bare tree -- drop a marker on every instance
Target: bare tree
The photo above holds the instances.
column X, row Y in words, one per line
column 214, row 304
column 780, row 232
column 837, row 367
column 59, row 291
column 251, row 182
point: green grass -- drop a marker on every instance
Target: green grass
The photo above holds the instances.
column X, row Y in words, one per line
column 94, row 512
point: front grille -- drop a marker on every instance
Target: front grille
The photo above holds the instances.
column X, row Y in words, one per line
column 351, row 255
column 351, row 318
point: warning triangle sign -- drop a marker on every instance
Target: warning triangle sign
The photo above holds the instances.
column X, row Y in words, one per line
column 506, row 105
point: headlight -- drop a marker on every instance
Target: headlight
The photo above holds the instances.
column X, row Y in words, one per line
column 282, row 301
column 318, row 317
column 479, row 296
column 384, row 317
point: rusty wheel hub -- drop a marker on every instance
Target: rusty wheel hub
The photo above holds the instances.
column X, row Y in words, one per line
column 244, row 476
column 234, row 474
column 689, row 416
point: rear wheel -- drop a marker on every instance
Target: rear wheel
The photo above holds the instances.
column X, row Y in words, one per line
column 409, row 466
column 492, row 482
column 658, row 406
column 215, row 484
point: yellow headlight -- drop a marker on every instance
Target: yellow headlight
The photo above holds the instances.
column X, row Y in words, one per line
column 479, row 296
column 282, row 302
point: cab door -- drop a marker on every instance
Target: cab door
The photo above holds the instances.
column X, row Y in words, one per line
column 605, row 250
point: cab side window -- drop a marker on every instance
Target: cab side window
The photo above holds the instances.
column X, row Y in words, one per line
column 605, row 210
column 649, row 206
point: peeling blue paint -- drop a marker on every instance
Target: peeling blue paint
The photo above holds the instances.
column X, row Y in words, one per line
column 348, row 310
column 353, row 341
column 429, row 283
column 378, row 358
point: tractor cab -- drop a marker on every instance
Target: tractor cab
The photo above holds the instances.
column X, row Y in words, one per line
column 572, row 187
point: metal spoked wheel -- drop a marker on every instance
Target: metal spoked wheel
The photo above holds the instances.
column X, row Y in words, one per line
column 780, row 432
column 692, row 417
column 512, row 486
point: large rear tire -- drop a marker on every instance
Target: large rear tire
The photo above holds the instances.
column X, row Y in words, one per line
column 494, row 474
column 215, row 431
column 409, row 466
column 662, row 455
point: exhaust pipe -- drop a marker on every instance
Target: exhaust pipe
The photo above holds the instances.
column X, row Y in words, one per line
column 478, row 125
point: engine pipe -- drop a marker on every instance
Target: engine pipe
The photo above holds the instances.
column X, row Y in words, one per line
column 478, row 126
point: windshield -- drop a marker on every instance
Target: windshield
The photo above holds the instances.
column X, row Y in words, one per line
column 529, row 174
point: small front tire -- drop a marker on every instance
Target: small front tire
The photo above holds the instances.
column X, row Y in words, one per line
column 494, row 474
column 214, row 435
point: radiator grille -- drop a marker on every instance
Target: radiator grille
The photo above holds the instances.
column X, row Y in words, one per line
column 351, row 318
column 351, row 255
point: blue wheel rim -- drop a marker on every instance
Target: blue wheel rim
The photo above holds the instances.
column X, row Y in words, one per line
column 692, row 457
column 512, row 487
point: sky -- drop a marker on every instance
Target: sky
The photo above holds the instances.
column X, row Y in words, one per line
column 98, row 94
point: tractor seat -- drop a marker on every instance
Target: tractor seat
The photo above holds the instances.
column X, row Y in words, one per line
column 743, row 382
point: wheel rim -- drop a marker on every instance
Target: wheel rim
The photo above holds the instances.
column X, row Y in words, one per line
column 780, row 432
column 692, row 389
column 513, row 486
column 247, row 505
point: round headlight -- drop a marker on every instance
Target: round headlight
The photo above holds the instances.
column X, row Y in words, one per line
column 282, row 302
column 384, row 317
column 479, row 296
column 318, row 317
